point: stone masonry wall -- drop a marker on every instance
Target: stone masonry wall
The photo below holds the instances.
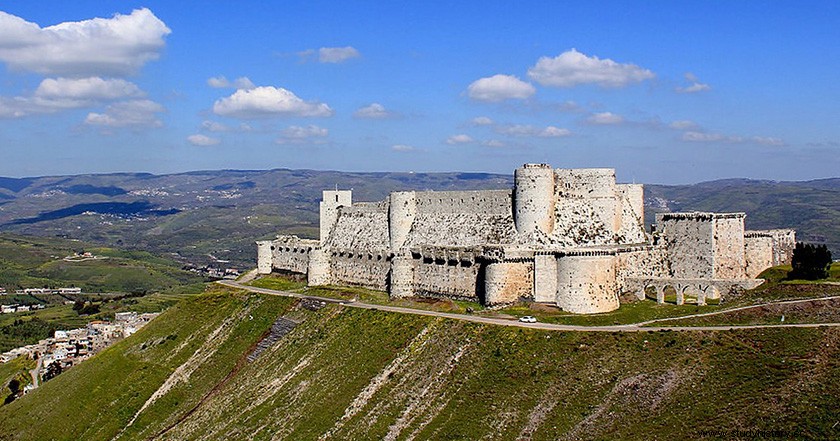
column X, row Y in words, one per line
column 360, row 269
column 462, row 218
column 290, row 253
column 758, row 253
column 363, row 227
column 587, row 284
column 445, row 278
column 689, row 239
column 729, row 247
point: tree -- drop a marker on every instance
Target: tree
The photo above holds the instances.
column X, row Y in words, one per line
column 810, row 262
column 53, row 370
column 14, row 388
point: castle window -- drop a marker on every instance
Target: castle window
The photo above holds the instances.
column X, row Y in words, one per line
column 336, row 198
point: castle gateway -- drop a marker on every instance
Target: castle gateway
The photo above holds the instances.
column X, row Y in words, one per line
column 572, row 237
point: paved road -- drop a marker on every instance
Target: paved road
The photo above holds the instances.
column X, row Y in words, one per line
column 508, row 322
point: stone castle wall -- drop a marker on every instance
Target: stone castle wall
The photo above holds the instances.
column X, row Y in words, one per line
column 766, row 248
column 360, row 269
column 572, row 237
column 362, row 227
column 462, row 218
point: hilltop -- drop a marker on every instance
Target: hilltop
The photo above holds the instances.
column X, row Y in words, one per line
column 347, row 373
column 213, row 217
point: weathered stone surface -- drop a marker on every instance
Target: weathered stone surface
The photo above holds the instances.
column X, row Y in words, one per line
column 568, row 236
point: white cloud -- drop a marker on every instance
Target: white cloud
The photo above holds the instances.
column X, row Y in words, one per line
column 499, row 88
column 695, row 86
column 554, row 132
column 403, row 148
column 572, row 68
column 268, row 101
column 92, row 88
column 215, row 126
column 120, row 45
column 481, row 121
column 605, row 118
column 337, row 54
column 529, row 130
column 135, row 113
column 459, row 139
column 695, row 136
column 302, row 135
column 517, row 130
column 202, row 140
column 221, row 82
column 373, row 111
column 57, row 94
column 683, row 125
column 493, row 143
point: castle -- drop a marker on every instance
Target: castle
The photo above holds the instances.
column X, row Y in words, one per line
column 571, row 237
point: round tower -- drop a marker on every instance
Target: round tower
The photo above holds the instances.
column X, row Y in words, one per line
column 534, row 199
column 402, row 277
column 402, row 210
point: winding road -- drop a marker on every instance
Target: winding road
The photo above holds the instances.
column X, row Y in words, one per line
column 634, row 327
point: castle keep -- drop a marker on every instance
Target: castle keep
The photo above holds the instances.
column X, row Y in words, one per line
column 572, row 237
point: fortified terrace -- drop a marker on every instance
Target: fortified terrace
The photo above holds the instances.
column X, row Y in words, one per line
column 571, row 237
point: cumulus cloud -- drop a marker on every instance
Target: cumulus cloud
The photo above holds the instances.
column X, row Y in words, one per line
column 215, row 126
column 134, row 113
column 696, row 136
column 202, row 140
column 459, row 139
column 221, row 82
column 373, row 111
column 403, row 148
column 499, row 88
column 302, row 135
column 695, row 86
column 57, row 94
column 572, row 68
column 554, row 132
column 115, row 46
column 605, row 118
column 92, row 88
column 268, row 101
column 337, row 54
column 529, row 130
column 481, row 121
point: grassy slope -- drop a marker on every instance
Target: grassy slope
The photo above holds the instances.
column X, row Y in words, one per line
column 37, row 262
column 360, row 374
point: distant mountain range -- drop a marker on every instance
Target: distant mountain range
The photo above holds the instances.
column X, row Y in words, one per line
column 210, row 217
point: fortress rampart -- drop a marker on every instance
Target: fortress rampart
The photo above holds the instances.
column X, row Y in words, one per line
column 572, row 237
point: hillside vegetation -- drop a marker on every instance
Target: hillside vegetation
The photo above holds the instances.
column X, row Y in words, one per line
column 114, row 281
column 346, row 373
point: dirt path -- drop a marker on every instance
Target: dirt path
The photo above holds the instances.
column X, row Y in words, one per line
column 635, row 327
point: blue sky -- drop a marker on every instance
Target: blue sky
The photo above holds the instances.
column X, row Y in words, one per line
column 664, row 92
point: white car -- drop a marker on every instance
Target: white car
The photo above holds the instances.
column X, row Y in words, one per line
column 528, row 319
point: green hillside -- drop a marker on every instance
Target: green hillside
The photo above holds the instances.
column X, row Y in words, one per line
column 114, row 281
column 346, row 373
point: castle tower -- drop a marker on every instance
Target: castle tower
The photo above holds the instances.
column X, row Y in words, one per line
column 534, row 199
column 331, row 201
column 402, row 277
column 264, row 256
column 401, row 213
column 318, row 271
column 586, row 283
